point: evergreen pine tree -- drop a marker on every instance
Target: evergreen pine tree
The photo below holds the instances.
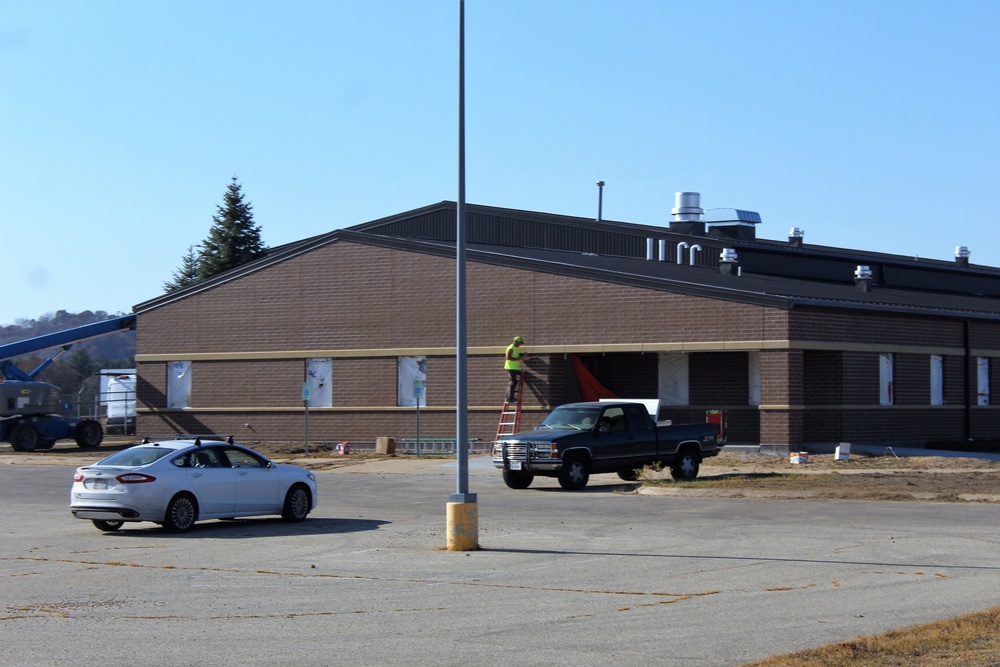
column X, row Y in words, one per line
column 234, row 239
column 186, row 275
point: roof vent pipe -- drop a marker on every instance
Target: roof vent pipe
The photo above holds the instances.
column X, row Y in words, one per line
column 727, row 262
column 962, row 255
column 600, row 200
column 649, row 250
column 681, row 247
column 795, row 237
column 663, row 250
column 687, row 214
column 694, row 248
column 863, row 278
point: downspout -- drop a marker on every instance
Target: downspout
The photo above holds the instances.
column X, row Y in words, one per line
column 968, row 382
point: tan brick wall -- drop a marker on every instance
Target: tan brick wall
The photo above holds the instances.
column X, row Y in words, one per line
column 349, row 296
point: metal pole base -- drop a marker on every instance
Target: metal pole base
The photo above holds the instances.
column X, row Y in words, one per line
column 463, row 526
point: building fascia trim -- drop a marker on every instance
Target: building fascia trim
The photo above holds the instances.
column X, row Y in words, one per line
column 583, row 348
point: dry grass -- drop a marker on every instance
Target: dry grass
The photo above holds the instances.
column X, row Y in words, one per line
column 966, row 641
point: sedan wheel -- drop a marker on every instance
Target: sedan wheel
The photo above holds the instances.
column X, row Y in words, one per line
column 296, row 504
column 108, row 526
column 181, row 513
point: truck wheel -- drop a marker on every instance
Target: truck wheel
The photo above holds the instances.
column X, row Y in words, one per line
column 685, row 466
column 629, row 475
column 88, row 434
column 24, row 437
column 517, row 480
column 575, row 473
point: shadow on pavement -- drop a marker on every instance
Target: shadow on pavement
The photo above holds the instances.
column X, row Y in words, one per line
column 250, row 528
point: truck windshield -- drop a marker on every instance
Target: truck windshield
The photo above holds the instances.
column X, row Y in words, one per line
column 581, row 419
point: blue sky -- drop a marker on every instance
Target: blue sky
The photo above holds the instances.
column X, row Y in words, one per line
column 871, row 125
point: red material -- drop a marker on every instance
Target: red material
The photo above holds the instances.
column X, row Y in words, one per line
column 590, row 388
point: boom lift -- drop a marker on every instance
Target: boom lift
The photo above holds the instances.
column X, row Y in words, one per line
column 33, row 414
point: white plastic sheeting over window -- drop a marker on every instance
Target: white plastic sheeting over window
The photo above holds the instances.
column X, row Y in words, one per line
column 120, row 396
column 937, row 379
column 412, row 369
column 753, row 364
column 179, row 384
column 673, row 378
column 885, row 396
column 983, row 380
column 319, row 377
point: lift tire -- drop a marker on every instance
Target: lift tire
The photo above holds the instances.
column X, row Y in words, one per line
column 88, row 434
column 24, row 437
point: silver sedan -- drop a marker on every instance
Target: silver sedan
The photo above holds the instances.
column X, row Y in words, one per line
column 177, row 482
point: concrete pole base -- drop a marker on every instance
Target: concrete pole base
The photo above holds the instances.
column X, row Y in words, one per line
column 463, row 526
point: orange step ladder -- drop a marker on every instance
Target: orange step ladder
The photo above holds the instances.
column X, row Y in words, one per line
column 510, row 414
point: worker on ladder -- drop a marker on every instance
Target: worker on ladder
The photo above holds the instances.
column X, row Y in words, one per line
column 512, row 364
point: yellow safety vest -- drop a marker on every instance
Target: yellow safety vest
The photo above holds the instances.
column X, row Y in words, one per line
column 512, row 364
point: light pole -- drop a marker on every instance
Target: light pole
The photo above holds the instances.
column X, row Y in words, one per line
column 463, row 510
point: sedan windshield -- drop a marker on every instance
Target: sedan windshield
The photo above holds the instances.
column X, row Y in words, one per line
column 136, row 456
column 581, row 419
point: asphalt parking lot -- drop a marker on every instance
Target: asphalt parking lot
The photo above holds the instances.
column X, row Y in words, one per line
column 598, row 577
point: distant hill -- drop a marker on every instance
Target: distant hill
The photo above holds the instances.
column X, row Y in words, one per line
column 115, row 346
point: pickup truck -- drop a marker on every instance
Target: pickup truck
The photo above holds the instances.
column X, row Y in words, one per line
column 579, row 439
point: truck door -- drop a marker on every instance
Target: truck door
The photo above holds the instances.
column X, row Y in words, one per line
column 643, row 446
column 615, row 445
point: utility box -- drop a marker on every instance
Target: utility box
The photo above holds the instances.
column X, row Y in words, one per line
column 718, row 417
column 385, row 445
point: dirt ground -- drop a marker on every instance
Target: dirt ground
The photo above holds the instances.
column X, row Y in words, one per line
column 937, row 478
column 862, row 477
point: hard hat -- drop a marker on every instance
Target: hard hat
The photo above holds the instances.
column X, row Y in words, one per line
column 518, row 339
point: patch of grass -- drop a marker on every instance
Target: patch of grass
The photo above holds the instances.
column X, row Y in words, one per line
column 972, row 640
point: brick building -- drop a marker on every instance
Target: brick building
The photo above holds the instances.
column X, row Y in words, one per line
column 798, row 343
